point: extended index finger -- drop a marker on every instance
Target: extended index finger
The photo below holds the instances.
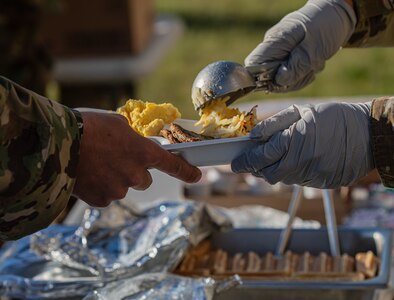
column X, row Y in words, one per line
column 263, row 155
column 276, row 123
column 176, row 166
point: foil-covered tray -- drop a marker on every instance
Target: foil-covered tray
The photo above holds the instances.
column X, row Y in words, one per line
column 109, row 246
column 352, row 241
column 120, row 253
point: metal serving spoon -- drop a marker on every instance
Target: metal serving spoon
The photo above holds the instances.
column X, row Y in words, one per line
column 227, row 79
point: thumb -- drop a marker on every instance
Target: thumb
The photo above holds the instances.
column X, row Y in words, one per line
column 263, row 155
column 278, row 122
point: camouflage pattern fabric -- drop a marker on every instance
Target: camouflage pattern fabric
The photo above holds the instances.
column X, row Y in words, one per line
column 382, row 122
column 375, row 24
column 39, row 150
column 374, row 28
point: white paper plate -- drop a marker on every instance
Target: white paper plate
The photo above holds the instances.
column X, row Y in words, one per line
column 209, row 152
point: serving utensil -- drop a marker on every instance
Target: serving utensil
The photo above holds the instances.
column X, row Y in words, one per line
column 230, row 80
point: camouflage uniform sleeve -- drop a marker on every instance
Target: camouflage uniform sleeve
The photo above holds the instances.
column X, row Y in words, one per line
column 39, row 154
column 382, row 132
column 375, row 23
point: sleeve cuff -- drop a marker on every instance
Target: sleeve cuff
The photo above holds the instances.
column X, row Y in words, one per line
column 382, row 121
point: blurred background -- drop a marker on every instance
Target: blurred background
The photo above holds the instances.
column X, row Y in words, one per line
column 100, row 53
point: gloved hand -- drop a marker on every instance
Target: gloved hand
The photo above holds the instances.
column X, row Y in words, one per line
column 296, row 48
column 323, row 146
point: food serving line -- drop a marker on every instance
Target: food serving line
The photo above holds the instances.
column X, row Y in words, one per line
column 132, row 251
column 227, row 81
column 121, row 245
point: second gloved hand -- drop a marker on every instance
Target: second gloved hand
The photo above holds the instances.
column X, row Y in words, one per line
column 296, row 48
column 323, row 146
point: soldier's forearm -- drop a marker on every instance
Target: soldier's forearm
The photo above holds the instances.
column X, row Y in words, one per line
column 39, row 154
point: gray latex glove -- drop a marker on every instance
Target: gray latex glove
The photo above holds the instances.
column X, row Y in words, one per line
column 323, row 146
column 296, row 48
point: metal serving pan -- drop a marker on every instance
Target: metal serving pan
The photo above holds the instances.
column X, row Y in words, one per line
column 352, row 240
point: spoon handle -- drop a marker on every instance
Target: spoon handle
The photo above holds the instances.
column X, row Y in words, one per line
column 264, row 75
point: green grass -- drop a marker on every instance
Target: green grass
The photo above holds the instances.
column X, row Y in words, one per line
column 229, row 30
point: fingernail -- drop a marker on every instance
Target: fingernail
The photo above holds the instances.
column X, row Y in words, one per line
column 197, row 179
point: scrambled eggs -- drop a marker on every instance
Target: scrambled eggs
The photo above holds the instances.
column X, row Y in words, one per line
column 148, row 118
column 219, row 121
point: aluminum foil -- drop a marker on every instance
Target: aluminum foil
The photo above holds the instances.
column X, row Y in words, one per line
column 114, row 250
column 110, row 245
